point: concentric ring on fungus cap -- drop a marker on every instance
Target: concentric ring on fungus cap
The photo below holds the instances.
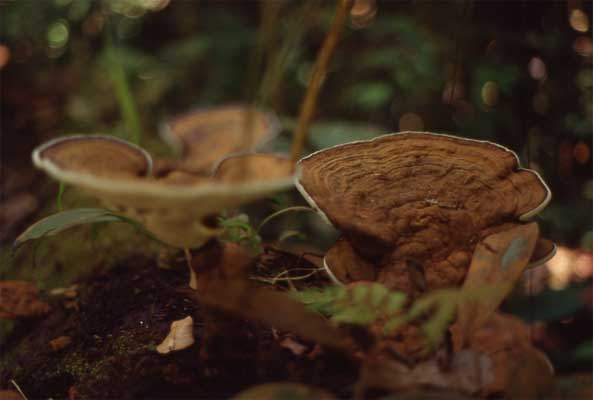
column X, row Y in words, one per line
column 422, row 194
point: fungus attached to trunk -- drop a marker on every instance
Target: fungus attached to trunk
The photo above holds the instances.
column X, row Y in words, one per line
column 205, row 136
column 413, row 205
column 176, row 207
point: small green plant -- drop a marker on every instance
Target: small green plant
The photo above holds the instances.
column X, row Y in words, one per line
column 238, row 229
column 364, row 304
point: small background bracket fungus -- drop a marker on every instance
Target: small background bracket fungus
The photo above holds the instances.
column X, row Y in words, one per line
column 181, row 336
column 206, row 135
column 420, row 198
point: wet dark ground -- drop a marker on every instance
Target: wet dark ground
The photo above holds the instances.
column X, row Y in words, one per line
column 115, row 324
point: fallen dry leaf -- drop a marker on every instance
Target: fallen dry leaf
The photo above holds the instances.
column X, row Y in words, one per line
column 20, row 299
column 10, row 395
column 69, row 292
column 298, row 349
column 531, row 377
column 468, row 372
column 180, row 337
column 60, row 342
column 498, row 261
column 506, row 340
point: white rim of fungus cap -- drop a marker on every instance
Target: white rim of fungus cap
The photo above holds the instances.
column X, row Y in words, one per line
column 523, row 217
column 540, row 262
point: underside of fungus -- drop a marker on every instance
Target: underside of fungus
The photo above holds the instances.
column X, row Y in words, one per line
column 206, row 135
column 412, row 206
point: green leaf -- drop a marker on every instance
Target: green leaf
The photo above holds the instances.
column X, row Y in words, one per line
column 61, row 221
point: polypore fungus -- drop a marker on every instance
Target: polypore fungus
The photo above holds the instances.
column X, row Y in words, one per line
column 412, row 206
column 177, row 206
column 117, row 172
column 207, row 135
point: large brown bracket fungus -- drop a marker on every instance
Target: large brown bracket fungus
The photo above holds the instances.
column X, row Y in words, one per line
column 176, row 207
column 412, row 206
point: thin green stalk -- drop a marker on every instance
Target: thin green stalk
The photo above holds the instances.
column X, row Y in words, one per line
column 266, row 32
column 60, row 197
column 123, row 93
column 283, row 211
column 297, row 24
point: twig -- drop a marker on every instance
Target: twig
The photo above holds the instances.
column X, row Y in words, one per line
column 18, row 389
column 193, row 277
column 280, row 278
column 317, row 78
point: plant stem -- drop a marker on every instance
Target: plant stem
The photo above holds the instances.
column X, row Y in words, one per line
column 59, row 199
column 266, row 32
column 123, row 93
column 280, row 212
column 193, row 278
column 317, row 78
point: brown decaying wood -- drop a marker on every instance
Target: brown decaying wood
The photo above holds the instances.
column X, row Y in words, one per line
column 419, row 197
column 318, row 77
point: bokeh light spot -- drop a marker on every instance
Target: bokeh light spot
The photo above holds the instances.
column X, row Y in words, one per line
column 588, row 190
column 536, row 68
column 453, row 91
column 4, row 55
column 363, row 13
column 579, row 21
column 583, row 45
column 411, row 122
column 582, row 153
column 490, row 93
column 57, row 34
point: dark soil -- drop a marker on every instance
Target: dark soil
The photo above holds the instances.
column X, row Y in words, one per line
column 115, row 324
